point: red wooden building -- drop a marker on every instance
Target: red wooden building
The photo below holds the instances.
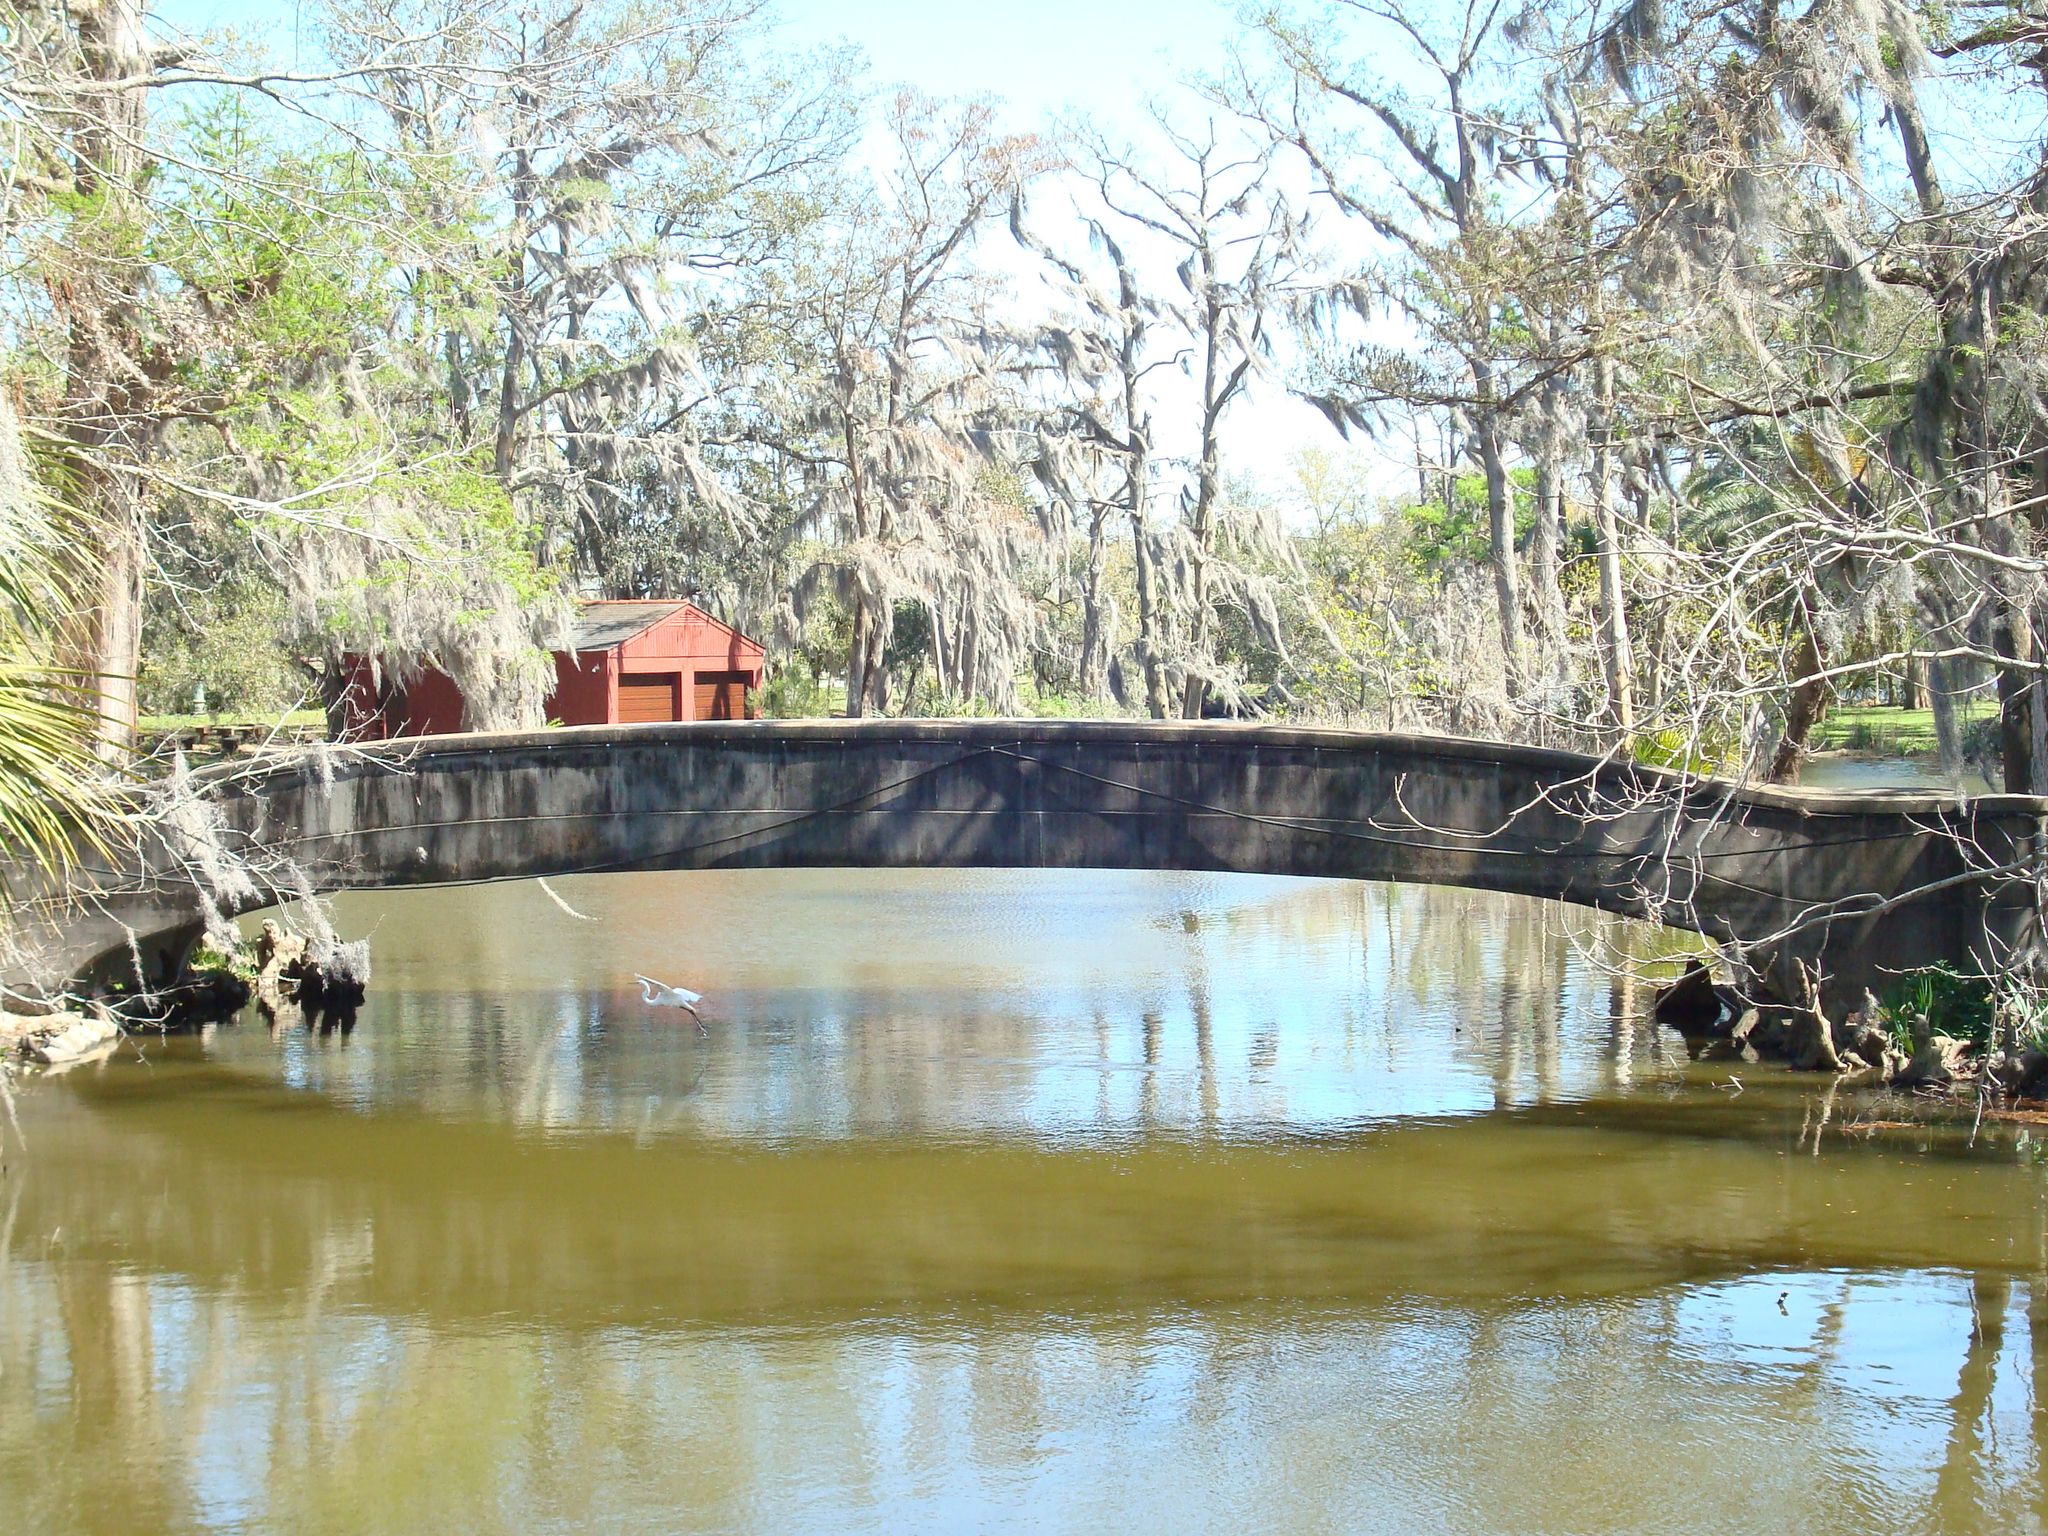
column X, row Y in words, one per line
column 626, row 663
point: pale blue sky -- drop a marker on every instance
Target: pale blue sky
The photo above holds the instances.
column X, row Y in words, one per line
column 1102, row 57
column 1041, row 56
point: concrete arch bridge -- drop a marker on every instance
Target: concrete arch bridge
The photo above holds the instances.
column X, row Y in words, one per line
column 1864, row 882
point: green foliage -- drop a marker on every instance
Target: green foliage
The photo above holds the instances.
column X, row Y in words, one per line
column 208, row 961
column 626, row 306
column 1857, row 728
column 1939, row 1000
column 809, row 681
column 1983, row 740
column 51, row 793
column 1673, row 748
column 910, row 639
column 1047, row 704
column 794, row 691
column 1437, row 535
column 219, row 651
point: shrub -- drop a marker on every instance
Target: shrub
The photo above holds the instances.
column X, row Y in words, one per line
column 1938, row 1000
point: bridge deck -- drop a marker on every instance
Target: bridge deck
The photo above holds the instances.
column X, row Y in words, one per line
column 1863, row 881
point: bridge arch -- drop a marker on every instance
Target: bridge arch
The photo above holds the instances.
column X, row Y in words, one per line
column 1863, row 882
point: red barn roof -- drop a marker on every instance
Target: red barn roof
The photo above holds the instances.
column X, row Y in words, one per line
column 602, row 623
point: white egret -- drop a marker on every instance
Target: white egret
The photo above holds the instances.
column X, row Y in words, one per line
column 660, row 995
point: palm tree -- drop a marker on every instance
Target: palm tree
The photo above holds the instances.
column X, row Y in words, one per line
column 52, row 786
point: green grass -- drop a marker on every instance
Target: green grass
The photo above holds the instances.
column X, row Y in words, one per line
column 298, row 719
column 1878, row 728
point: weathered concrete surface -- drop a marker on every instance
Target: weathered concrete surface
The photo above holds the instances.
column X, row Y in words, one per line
column 1115, row 794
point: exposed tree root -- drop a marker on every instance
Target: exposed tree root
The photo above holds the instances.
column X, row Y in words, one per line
column 1771, row 1011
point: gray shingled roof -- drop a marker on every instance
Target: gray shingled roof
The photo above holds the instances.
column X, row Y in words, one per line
column 600, row 626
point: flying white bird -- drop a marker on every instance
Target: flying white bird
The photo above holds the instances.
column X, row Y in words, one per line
column 659, row 995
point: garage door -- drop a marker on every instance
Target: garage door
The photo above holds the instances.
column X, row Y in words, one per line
column 646, row 696
column 721, row 696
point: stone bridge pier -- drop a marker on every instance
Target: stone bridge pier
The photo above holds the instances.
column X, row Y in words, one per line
column 1864, row 883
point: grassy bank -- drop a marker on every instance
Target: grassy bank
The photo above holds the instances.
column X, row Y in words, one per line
column 298, row 719
column 1884, row 731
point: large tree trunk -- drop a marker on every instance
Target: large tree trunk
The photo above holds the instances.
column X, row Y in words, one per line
column 506, row 430
column 861, row 650
column 1968, row 334
column 1137, row 474
column 1500, row 521
column 1208, row 484
column 106, row 373
column 1546, row 542
column 114, row 621
column 1149, row 657
column 1912, row 129
column 1969, row 313
column 857, row 660
column 1546, row 538
column 1615, row 657
column 2015, row 704
column 1094, row 622
column 2013, row 641
column 1194, row 688
column 1809, row 692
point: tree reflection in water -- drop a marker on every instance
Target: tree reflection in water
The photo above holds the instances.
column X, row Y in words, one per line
column 137, row 1402
column 1278, row 1203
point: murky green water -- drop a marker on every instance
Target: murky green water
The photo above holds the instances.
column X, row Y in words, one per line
column 996, row 1201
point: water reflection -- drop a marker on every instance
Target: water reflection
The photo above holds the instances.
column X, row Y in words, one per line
column 1002, row 1202
column 1064, row 1004
column 1822, row 1401
column 1831, row 770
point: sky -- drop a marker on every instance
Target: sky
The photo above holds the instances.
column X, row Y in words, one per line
column 1041, row 56
column 1106, row 56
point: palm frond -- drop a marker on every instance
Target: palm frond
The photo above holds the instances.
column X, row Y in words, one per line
column 53, row 789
